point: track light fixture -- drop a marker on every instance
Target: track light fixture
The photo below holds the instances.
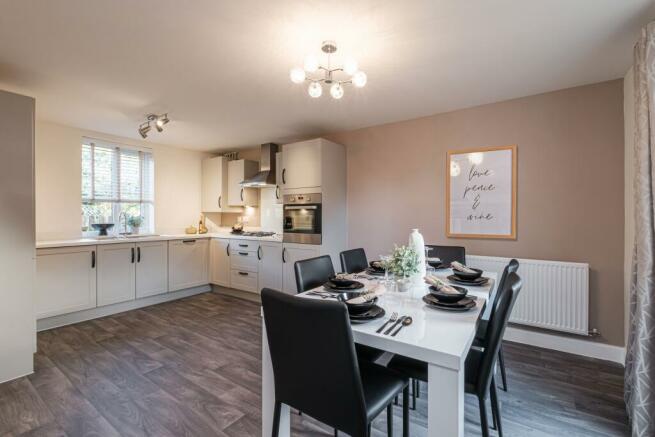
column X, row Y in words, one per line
column 158, row 120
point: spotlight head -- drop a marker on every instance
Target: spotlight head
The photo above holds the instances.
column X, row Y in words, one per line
column 161, row 121
column 144, row 129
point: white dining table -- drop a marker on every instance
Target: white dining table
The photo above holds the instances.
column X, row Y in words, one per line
column 440, row 338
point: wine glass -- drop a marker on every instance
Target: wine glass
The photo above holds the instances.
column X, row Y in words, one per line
column 386, row 263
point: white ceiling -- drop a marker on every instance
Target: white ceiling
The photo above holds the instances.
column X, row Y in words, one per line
column 221, row 68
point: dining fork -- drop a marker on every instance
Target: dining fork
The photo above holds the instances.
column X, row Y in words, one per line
column 393, row 318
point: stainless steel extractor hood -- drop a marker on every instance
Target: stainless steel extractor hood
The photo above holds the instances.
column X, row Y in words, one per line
column 266, row 175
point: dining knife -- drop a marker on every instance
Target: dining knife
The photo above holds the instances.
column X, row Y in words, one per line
column 400, row 319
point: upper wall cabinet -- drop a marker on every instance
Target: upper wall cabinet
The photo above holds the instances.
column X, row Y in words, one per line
column 301, row 165
column 237, row 171
column 215, row 185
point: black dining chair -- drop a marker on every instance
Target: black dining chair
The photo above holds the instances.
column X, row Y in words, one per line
column 480, row 362
column 481, row 334
column 447, row 254
column 353, row 261
column 316, row 369
column 314, row 272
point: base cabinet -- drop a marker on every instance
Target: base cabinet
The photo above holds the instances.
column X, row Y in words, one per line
column 65, row 280
column 270, row 266
column 151, row 268
column 116, row 273
column 290, row 254
column 219, row 260
column 188, row 263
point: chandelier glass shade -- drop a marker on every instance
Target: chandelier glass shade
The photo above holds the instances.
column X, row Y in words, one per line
column 335, row 77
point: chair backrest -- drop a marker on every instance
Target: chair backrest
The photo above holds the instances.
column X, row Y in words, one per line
column 313, row 272
column 496, row 329
column 353, row 261
column 314, row 361
column 448, row 254
column 511, row 267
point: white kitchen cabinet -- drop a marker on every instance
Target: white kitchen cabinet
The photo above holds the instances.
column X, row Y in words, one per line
column 65, row 280
column 188, row 263
column 151, row 268
column 244, row 280
column 237, row 171
column 291, row 253
column 215, row 185
column 301, row 165
column 116, row 273
column 270, row 265
column 279, row 198
column 219, row 260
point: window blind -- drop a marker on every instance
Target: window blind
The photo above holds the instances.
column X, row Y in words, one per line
column 111, row 173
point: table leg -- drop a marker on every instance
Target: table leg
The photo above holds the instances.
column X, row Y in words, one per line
column 445, row 401
column 268, row 395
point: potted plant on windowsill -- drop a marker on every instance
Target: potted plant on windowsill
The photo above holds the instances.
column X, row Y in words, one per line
column 404, row 263
column 135, row 223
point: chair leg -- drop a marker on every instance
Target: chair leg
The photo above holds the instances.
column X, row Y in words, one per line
column 406, row 411
column 495, row 408
column 484, row 424
column 501, row 361
column 336, row 432
column 418, row 388
column 368, row 430
column 390, row 420
column 276, row 419
column 395, row 400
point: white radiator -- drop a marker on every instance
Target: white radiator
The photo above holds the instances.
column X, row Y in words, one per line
column 555, row 295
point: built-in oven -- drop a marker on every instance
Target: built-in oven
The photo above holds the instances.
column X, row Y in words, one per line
column 302, row 218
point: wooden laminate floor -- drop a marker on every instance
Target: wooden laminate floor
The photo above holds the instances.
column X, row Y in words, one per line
column 192, row 368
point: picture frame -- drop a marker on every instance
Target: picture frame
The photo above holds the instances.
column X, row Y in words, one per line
column 481, row 192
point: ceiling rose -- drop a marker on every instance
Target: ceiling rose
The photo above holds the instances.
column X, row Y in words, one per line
column 334, row 76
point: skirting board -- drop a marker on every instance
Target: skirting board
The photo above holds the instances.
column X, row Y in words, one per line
column 94, row 313
column 571, row 345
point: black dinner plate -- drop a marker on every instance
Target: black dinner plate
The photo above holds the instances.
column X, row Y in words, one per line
column 354, row 285
column 374, row 272
column 375, row 312
column 463, row 305
column 475, row 282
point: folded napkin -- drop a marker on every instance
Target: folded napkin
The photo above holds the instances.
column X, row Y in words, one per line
column 440, row 285
column 366, row 296
column 433, row 259
column 456, row 265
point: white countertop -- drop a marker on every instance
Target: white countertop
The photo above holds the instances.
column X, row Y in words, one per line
column 92, row 241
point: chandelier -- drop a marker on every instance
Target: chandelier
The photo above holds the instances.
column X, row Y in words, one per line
column 336, row 77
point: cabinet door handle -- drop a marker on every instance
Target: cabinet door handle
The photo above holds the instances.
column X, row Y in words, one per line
column 188, row 241
column 259, row 253
column 243, row 245
column 138, row 254
column 227, row 249
column 284, row 252
column 132, row 255
column 277, row 191
column 93, row 259
column 243, row 253
column 219, row 201
column 284, row 176
column 243, row 273
column 242, row 194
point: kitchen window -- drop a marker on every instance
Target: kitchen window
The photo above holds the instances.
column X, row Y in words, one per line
column 117, row 184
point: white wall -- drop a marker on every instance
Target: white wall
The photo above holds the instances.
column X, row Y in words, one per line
column 17, row 253
column 58, row 182
column 629, row 124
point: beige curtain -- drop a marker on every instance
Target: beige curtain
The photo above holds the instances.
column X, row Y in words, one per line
column 640, row 358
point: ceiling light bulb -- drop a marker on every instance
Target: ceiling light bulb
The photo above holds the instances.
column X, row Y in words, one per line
column 359, row 79
column 350, row 67
column 336, row 91
column 311, row 64
column 297, row 75
column 315, row 90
